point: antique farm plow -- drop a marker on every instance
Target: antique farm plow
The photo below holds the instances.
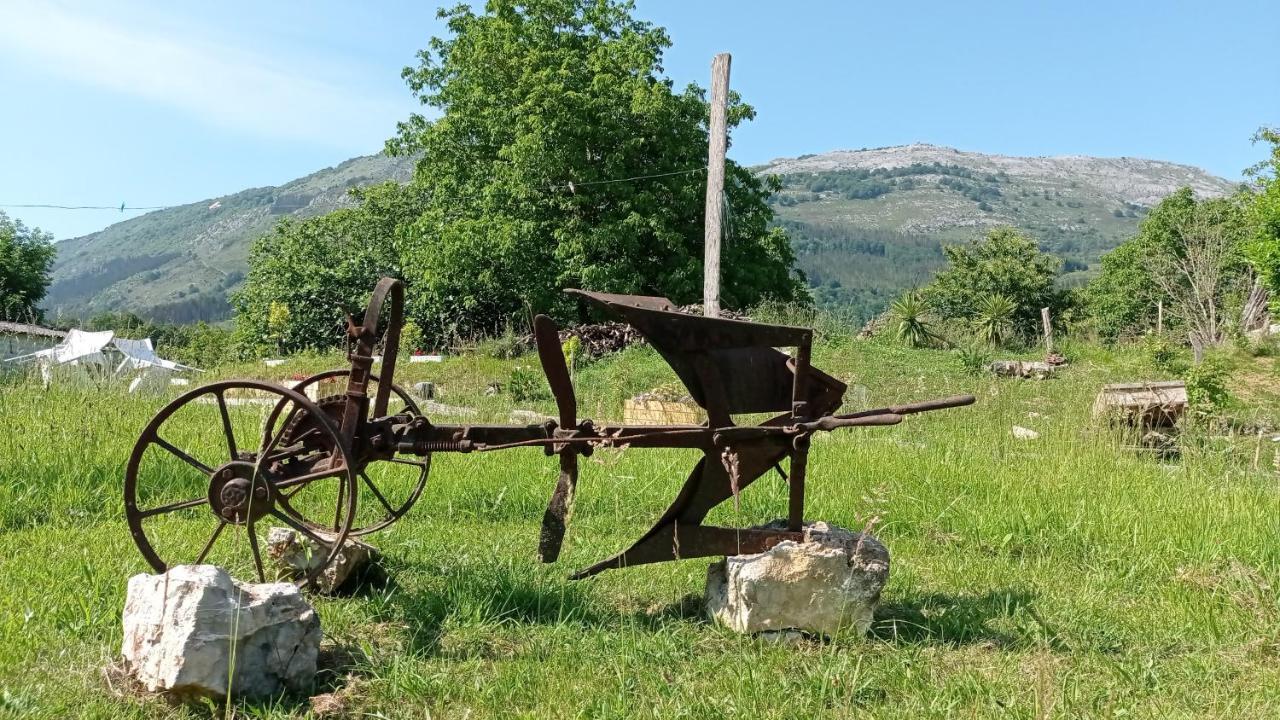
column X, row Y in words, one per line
column 355, row 461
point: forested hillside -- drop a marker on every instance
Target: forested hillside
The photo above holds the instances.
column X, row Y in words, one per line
column 178, row 264
column 865, row 224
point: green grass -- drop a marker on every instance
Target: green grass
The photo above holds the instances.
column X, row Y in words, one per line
column 1062, row 577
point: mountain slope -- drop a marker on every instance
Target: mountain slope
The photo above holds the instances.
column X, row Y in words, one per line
column 865, row 224
column 179, row 263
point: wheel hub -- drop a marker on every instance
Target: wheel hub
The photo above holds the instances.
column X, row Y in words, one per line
column 236, row 496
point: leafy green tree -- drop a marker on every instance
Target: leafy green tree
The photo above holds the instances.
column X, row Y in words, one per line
column 561, row 157
column 1187, row 253
column 1005, row 263
column 1263, row 248
column 1122, row 299
column 304, row 275
column 26, row 256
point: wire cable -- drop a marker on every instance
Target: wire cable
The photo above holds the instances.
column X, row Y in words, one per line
column 121, row 207
column 571, row 186
column 640, row 177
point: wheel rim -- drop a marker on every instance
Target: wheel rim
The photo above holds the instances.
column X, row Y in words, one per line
column 241, row 488
column 393, row 505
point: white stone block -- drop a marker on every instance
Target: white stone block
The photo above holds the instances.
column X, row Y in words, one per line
column 829, row 583
column 194, row 631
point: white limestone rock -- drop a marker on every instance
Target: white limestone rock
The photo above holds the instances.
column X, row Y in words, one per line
column 186, row 629
column 1023, row 433
column 294, row 554
column 828, row 584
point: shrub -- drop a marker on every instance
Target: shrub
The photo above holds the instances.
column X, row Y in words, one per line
column 974, row 358
column 506, row 346
column 909, row 325
column 994, row 320
column 572, row 350
column 410, row 337
column 1207, row 386
column 527, row 384
column 1164, row 355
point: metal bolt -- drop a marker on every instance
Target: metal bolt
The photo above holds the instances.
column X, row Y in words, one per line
column 260, row 492
column 229, row 513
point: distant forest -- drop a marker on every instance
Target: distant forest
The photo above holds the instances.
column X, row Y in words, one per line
column 860, row 270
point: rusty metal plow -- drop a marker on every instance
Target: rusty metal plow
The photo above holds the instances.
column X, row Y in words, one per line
column 729, row 367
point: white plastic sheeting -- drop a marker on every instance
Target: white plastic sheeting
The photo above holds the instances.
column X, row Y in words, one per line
column 140, row 355
column 151, row 371
column 77, row 348
column 89, row 350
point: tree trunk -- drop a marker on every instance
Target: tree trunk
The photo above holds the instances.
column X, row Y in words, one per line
column 1254, row 313
column 1197, row 345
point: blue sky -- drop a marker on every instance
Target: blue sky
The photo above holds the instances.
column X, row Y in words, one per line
column 153, row 103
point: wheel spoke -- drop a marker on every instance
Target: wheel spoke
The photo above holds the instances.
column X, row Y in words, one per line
column 337, row 510
column 285, row 518
column 183, row 456
column 309, row 477
column 222, row 524
column 306, row 434
column 377, row 494
column 257, row 556
column 402, row 461
column 193, row 502
column 226, row 425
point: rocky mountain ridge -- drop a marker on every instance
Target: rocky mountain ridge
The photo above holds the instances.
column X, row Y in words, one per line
column 864, row 223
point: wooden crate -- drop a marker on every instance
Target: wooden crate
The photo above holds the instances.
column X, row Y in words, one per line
column 638, row 411
column 1152, row 404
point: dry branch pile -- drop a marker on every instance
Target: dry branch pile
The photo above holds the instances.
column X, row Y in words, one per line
column 600, row 339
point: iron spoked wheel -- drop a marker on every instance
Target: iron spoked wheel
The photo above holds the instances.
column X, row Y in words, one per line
column 395, row 483
column 211, row 466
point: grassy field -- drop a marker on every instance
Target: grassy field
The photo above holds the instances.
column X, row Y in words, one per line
column 1060, row 577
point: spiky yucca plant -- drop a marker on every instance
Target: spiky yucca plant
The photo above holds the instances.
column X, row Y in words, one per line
column 994, row 322
column 911, row 329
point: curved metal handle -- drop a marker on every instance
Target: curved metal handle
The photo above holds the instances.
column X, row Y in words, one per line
column 355, row 414
column 391, row 345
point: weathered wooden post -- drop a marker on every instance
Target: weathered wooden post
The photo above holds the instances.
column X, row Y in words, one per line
column 1160, row 316
column 1048, row 330
column 716, row 145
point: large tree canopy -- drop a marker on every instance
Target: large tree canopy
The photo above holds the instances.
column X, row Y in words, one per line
column 562, row 158
column 1263, row 248
column 1122, row 299
column 1004, row 263
column 303, row 276
column 1187, row 253
column 26, row 256
column 557, row 156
